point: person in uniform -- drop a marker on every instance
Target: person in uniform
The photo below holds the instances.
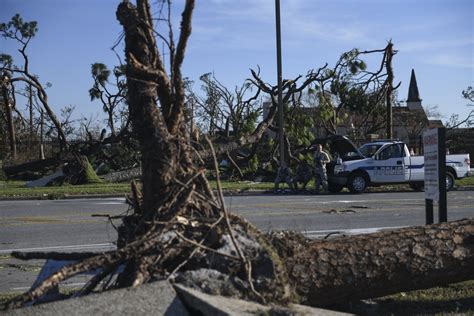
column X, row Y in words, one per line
column 303, row 174
column 284, row 174
column 321, row 158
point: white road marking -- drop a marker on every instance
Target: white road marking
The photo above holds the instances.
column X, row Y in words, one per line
column 109, row 203
column 355, row 231
column 70, row 247
column 366, row 201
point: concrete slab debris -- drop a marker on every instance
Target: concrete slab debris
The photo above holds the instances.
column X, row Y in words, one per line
column 157, row 298
column 220, row 305
column 44, row 180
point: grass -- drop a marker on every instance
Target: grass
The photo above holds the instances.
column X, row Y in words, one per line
column 465, row 181
column 17, row 189
column 243, row 185
column 452, row 299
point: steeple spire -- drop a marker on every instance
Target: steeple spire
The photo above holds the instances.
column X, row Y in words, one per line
column 413, row 94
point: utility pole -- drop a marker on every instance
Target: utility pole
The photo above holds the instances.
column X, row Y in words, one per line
column 280, row 101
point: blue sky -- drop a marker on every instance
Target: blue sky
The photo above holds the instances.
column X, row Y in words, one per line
column 435, row 37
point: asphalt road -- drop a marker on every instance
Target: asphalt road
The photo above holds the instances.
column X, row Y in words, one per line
column 70, row 225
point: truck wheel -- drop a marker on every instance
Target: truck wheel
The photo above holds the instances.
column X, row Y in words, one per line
column 449, row 181
column 417, row 186
column 357, row 183
column 334, row 188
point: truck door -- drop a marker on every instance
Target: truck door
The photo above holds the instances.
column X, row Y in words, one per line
column 391, row 165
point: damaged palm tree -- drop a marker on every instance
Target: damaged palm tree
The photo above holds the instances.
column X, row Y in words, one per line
column 178, row 230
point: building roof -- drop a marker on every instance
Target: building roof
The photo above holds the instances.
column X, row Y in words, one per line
column 413, row 93
column 435, row 123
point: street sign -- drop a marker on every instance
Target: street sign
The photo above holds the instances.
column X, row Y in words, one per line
column 430, row 148
column 434, row 149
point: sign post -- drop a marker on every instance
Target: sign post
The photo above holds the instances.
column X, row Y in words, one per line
column 435, row 173
column 442, row 205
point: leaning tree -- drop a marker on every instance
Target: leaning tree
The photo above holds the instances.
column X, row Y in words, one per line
column 23, row 32
column 179, row 230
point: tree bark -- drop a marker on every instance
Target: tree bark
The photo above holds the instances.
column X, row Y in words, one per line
column 40, row 166
column 41, row 137
column 31, row 116
column 350, row 268
column 10, row 123
column 158, row 152
column 388, row 64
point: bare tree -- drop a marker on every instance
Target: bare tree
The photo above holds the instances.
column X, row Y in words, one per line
column 455, row 121
column 23, row 32
column 227, row 110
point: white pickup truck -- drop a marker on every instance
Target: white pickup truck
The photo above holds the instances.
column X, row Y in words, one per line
column 383, row 162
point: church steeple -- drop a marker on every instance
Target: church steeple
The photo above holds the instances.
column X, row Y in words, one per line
column 413, row 101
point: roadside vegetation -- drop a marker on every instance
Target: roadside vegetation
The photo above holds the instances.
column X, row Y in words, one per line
column 465, row 181
column 17, row 189
column 452, row 299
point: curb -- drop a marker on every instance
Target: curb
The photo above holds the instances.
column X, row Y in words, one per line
column 115, row 195
column 244, row 192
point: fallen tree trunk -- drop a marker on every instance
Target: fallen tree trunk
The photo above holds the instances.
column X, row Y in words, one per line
column 40, row 166
column 365, row 266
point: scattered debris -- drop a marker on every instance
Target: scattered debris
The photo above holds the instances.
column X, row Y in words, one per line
column 332, row 211
column 44, row 181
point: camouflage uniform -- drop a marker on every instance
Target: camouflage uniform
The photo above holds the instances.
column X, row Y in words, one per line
column 284, row 175
column 303, row 174
column 320, row 176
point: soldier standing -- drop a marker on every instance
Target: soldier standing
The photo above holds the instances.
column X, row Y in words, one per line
column 321, row 158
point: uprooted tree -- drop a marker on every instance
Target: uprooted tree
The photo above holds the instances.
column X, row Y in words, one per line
column 178, row 229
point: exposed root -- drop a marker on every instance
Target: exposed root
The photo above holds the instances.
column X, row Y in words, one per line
column 246, row 263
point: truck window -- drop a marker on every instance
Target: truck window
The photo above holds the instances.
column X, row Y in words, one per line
column 369, row 150
column 392, row 151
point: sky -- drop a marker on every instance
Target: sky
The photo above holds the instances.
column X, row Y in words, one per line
column 434, row 37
